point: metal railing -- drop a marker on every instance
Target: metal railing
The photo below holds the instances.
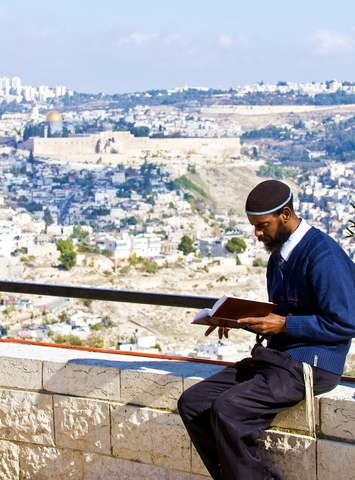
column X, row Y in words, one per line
column 125, row 296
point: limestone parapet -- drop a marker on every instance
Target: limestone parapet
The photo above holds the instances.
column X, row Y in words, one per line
column 68, row 413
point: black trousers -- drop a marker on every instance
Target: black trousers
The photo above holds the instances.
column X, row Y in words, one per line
column 227, row 413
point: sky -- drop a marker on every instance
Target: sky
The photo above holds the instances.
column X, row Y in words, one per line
column 115, row 46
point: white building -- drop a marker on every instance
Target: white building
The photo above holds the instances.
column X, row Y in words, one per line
column 142, row 246
column 6, row 244
column 60, row 91
column 118, row 178
column 120, row 248
column 102, row 196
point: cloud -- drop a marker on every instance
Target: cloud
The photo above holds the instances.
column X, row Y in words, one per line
column 137, row 39
column 225, row 40
column 329, row 43
column 236, row 42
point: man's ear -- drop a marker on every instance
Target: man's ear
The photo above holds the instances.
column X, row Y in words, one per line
column 286, row 214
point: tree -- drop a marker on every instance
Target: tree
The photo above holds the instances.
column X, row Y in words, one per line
column 186, row 245
column 259, row 262
column 80, row 233
column 47, row 217
column 65, row 131
column 67, row 253
column 191, row 168
column 140, row 131
column 236, row 245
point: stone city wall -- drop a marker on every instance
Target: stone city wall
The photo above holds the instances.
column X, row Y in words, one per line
column 74, row 414
column 103, row 142
column 122, row 147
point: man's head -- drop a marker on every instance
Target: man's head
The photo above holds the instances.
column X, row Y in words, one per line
column 270, row 210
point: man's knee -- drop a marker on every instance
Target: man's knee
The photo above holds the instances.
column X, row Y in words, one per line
column 187, row 400
column 229, row 407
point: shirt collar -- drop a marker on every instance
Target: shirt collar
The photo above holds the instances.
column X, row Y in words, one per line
column 294, row 239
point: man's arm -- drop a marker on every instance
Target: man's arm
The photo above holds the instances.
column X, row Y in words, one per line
column 272, row 323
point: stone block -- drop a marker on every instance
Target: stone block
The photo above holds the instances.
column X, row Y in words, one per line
column 9, row 461
column 295, row 418
column 26, row 417
column 197, row 465
column 84, row 378
column 82, row 424
column 335, row 460
column 22, row 373
column 99, row 467
column 289, row 454
column 187, row 476
column 337, row 409
column 150, row 436
column 150, row 389
column 43, row 463
column 189, row 382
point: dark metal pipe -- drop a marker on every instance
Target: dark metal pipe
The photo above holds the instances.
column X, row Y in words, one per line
column 125, row 296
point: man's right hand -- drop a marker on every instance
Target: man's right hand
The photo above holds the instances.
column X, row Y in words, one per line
column 222, row 331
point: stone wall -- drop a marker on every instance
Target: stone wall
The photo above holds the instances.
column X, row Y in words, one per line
column 102, row 142
column 72, row 414
column 121, row 147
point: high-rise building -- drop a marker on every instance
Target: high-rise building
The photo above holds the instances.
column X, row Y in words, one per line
column 5, row 83
column 60, row 91
column 16, row 82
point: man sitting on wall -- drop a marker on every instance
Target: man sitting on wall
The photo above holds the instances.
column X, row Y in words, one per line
column 312, row 281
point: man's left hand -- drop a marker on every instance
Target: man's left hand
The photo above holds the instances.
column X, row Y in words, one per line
column 265, row 325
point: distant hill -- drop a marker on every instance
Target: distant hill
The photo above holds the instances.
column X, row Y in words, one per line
column 228, row 186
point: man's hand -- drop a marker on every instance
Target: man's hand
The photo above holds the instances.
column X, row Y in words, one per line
column 265, row 325
column 222, row 331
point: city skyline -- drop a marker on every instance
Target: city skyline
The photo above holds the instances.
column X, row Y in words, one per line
column 118, row 47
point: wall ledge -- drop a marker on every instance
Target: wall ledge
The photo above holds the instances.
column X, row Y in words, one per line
column 115, row 415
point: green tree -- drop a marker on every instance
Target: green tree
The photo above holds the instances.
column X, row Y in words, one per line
column 150, row 266
column 74, row 340
column 186, row 245
column 259, row 262
column 65, row 131
column 79, row 232
column 63, row 317
column 95, row 341
column 185, row 183
column 47, row 217
column 67, row 253
column 140, row 131
column 236, row 245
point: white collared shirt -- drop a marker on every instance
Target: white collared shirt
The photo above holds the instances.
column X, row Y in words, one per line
column 294, row 239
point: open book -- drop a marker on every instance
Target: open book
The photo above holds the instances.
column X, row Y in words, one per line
column 227, row 310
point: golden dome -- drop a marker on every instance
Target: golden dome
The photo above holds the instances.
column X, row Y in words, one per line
column 54, row 116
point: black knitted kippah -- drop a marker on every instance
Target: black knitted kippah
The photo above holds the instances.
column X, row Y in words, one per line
column 267, row 197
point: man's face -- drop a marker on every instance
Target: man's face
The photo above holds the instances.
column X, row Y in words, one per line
column 271, row 230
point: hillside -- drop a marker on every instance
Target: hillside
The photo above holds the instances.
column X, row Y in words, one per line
column 171, row 326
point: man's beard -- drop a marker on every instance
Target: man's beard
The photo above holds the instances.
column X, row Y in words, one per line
column 275, row 244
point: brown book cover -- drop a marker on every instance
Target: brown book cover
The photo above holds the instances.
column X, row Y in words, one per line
column 227, row 310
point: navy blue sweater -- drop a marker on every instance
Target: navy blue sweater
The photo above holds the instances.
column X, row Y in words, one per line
column 316, row 292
